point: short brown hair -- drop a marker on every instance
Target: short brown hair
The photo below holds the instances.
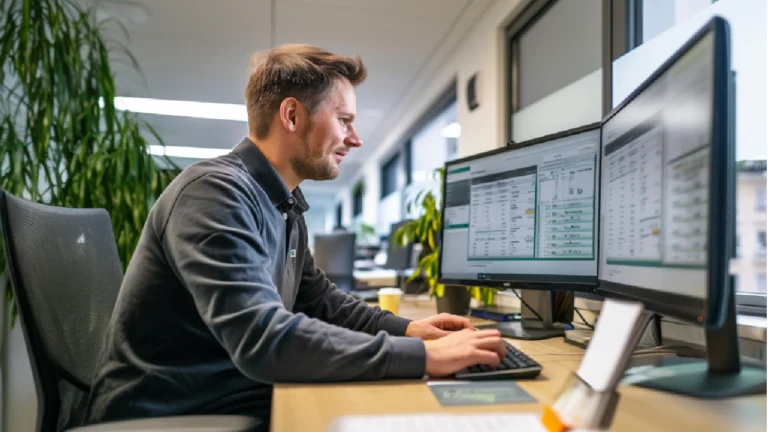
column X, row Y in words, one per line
column 304, row 72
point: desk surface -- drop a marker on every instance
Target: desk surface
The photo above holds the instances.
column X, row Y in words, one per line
column 311, row 408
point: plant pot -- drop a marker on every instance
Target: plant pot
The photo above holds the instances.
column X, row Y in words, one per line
column 454, row 301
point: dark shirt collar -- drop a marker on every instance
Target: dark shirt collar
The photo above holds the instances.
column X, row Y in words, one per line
column 267, row 177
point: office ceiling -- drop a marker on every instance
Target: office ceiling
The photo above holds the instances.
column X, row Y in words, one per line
column 198, row 50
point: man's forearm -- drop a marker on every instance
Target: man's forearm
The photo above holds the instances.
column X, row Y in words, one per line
column 336, row 307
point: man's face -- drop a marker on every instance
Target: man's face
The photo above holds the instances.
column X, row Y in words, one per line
column 329, row 136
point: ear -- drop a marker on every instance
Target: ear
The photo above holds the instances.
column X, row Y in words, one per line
column 289, row 114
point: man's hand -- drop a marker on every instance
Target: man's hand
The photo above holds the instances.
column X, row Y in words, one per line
column 437, row 326
column 463, row 349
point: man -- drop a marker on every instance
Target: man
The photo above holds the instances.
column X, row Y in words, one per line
column 222, row 298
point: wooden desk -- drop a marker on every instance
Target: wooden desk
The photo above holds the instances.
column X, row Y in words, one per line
column 311, row 408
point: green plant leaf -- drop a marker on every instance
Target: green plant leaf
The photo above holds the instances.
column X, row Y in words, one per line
column 57, row 145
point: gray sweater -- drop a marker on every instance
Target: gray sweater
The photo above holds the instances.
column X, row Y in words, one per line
column 222, row 299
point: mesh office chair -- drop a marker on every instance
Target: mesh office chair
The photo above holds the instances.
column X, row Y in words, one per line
column 335, row 255
column 65, row 271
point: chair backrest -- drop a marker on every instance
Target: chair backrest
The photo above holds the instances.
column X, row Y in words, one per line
column 335, row 255
column 65, row 272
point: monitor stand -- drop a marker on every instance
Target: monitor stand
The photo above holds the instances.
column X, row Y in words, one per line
column 531, row 326
column 721, row 375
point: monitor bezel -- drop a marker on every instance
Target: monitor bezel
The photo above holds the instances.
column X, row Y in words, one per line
column 694, row 309
column 525, row 281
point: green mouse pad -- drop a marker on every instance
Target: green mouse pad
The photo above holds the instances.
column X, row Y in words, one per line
column 479, row 393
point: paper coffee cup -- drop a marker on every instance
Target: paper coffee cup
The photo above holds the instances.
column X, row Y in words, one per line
column 389, row 299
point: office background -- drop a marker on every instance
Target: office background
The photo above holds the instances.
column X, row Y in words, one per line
column 540, row 66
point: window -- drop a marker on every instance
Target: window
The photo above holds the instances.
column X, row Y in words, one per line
column 656, row 16
column 392, row 182
column 357, row 200
column 760, row 199
column 641, row 35
column 339, row 215
column 555, row 77
column 761, row 282
column 434, row 143
column 389, row 175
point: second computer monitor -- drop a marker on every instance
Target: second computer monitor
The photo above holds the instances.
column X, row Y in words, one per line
column 525, row 213
column 666, row 203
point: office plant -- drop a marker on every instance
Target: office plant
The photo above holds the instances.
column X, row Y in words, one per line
column 425, row 230
column 62, row 142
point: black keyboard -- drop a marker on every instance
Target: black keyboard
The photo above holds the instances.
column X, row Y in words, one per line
column 516, row 365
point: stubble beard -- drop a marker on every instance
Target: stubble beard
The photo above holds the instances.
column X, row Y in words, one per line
column 311, row 166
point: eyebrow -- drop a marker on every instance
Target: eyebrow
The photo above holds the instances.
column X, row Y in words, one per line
column 347, row 114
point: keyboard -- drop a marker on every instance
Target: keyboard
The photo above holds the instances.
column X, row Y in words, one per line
column 516, row 365
column 365, row 295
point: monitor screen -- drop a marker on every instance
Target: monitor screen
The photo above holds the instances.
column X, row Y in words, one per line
column 398, row 257
column 656, row 186
column 524, row 213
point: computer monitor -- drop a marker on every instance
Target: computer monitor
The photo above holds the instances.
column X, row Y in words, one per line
column 398, row 257
column 668, row 207
column 524, row 217
column 335, row 255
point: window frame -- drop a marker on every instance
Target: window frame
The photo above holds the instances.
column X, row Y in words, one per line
column 527, row 18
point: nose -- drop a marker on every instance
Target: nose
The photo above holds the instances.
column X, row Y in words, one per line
column 353, row 140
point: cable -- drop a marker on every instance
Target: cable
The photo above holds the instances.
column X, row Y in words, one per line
column 529, row 307
column 584, row 321
column 636, row 353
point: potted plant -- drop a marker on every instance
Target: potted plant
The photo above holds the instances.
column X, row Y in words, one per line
column 425, row 230
column 65, row 142
column 366, row 234
column 62, row 141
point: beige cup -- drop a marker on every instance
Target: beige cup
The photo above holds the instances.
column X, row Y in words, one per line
column 389, row 299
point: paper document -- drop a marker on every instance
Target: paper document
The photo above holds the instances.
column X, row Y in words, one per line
column 606, row 355
column 479, row 392
column 524, row 422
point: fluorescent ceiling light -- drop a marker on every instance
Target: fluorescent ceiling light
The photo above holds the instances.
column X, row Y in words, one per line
column 206, row 110
column 453, row 130
column 187, row 152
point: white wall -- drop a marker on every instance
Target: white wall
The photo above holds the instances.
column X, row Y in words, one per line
column 476, row 47
column 345, row 197
column 372, row 180
column 330, row 219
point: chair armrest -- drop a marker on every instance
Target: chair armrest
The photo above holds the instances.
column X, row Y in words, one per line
column 202, row 423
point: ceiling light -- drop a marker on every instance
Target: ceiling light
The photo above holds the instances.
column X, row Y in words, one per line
column 206, row 110
column 187, row 152
column 453, row 130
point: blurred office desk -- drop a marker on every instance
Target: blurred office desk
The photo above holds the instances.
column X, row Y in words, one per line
column 377, row 277
column 310, row 408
